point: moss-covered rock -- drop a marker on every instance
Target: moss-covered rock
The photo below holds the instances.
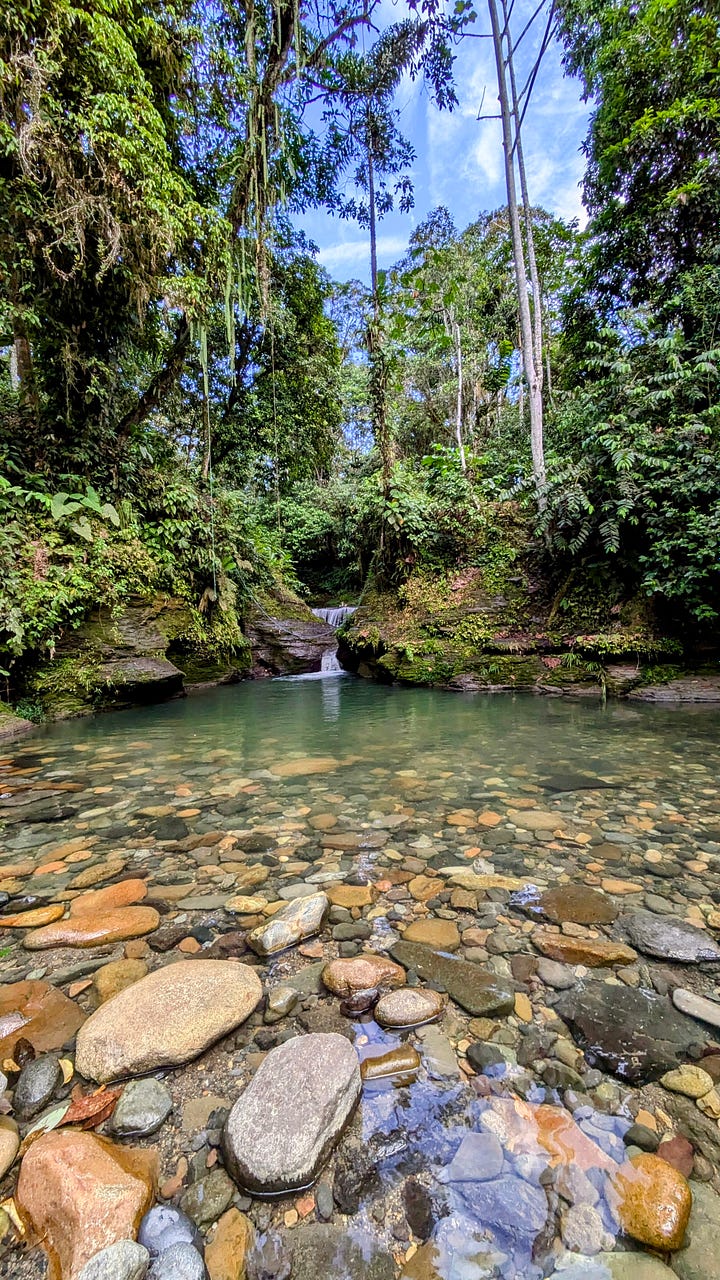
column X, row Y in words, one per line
column 11, row 725
column 498, row 626
column 284, row 635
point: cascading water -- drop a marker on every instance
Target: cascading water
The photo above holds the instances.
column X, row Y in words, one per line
column 334, row 618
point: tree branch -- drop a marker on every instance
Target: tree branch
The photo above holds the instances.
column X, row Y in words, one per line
column 160, row 383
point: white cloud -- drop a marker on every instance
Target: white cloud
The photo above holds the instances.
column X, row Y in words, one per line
column 357, row 252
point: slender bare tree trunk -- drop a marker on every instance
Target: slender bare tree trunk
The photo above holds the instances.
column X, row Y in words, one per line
column 534, row 378
column 459, row 406
column 526, row 206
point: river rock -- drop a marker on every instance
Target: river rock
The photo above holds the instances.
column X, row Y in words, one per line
column 362, row 973
column 92, row 930
column 33, row 919
column 226, row 1253
column 9, row 1144
column 179, row 1262
column 80, row 1193
column 476, row 990
column 697, row 1006
column 555, row 975
column 699, row 1259
column 652, row 1201
column 408, row 1007
column 299, row 919
column 479, row 1158
column 206, row 1200
column 401, row 1061
column 574, row 903
column 37, row 1012
column 322, row 1250
column 688, row 1079
column 167, row 1018
column 110, row 979
column 594, row 953
column 668, row 938
column 125, row 1260
column 515, row 1209
column 125, row 893
column 164, row 1226
column 280, row 1002
column 283, row 1127
column 635, row 1033
column 528, row 1129
column 443, row 935
column 349, row 895
column 143, row 1107
column 36, row 1085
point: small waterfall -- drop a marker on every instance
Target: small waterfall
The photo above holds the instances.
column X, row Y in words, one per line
column 335, row 616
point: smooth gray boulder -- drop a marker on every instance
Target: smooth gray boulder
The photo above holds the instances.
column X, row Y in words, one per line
column 283, row 1127
column 124, row 1260
column 668, row 938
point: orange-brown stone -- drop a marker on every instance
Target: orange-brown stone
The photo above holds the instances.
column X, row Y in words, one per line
column 526, row 1128
column 39, row 1013
column 362, row 973
column 123, row 894
column 652, row 1201
column 91, row 930
column 423, row 888
column 79, row 1193
column 226, row 1252
column 349, row 895
column 593, row 952
column 33, row 919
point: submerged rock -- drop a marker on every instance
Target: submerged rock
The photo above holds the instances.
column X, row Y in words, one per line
column 92, row 929
column 595, row 953
column 668, row 938
column 476, row 990
column 652, row 1201
column 179, row 1262
column 321, row 1251
column 575, row 903
column 164, row 1226
column 81, row 1193
column 401, row 1061
column 479, row 1157
column 635, row 1033
column 408, row 1007
column 697, row 1006
column 167, row 1018
column 299, row 919
column 37, row 1012
column 283, row 1127
column 362, row 973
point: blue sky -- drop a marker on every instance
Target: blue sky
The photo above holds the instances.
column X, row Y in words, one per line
column 459, row 159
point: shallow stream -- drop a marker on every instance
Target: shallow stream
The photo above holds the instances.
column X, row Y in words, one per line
column 284, row 787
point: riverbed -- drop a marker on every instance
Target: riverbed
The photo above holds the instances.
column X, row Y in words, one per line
column 570, row 851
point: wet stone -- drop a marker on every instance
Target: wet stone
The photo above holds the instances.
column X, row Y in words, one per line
column 291, row 924
column 668, row 938
column 635, row 1033
column 476, row 990
column 179, row 1262
column 36, row 1086
column 479, row 1157
column 124, row 1260
column 409, row 1006
column 697, row 1006
column 324, row 1250
column 652, row 1202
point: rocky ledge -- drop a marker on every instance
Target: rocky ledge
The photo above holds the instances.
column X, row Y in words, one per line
column 481, row 630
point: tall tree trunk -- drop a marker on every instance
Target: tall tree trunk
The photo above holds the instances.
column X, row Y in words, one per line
column 459, row 404
column 526, row 206
column 534, row 380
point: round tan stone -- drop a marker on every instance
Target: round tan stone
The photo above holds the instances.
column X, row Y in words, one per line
column 443, row 935
column 362, row 973
column 167, row 1018
column 79, row 1193
column 652, row 1201
column 112, row 978
column 408, row 1007
column 688, row 1079
column 124, row 894
column 423, row 888
column 90, row 930
column 349, row 895
column 33, row 919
